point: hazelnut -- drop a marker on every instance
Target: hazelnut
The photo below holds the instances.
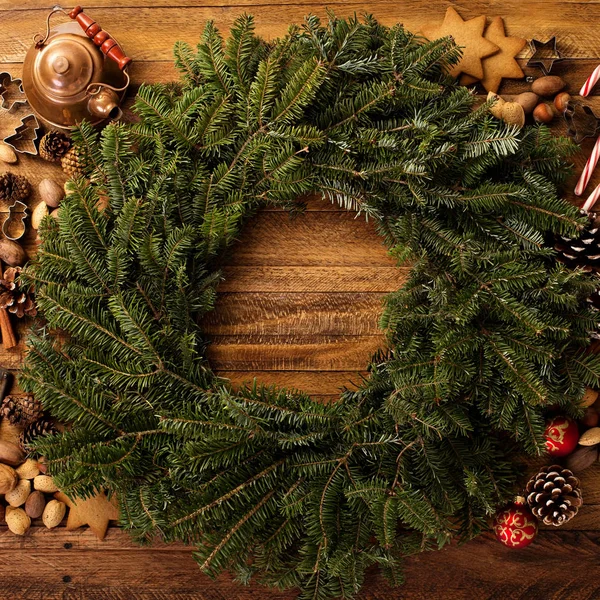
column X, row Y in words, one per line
column 543, row 113
column 561, row 101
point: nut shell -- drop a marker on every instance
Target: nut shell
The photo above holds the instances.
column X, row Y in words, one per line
column 11, row 454
column 528, row 100
column 17, row 520
column 582, row 458
column 8, row 479
column 54, row 513
column 45, row 483
column 589, row 397
column 496, row 108
column 561, row 101
column 513, row 114
column 51, row 193
column 29, row 469
column 548, row 86
column 7, row 154
column 591, row 418
column 543, row 113
column 12, row 253
column 18, row 496
column 35, row 504
column 39, row 212
column 591, row 437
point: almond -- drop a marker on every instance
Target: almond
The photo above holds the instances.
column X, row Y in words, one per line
column 8, row 479
column 45, row 483
column 39, row 212
column 34, row 505
column 7, row 154
column 29, row 469
column 51, row 193
column 17, row 520
column 496, row 108
column 589, row 397
column 513, row 114
column 54, row 513
column 591, row 437
column 18, row 495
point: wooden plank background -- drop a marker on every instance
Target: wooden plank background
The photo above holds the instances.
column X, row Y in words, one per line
column 299, row 307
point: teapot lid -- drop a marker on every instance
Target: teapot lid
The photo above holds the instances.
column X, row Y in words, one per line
column 66, row 66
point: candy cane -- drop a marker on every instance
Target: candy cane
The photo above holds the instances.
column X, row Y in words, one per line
column 590, row 165
column 590, row 82
column 589, row 203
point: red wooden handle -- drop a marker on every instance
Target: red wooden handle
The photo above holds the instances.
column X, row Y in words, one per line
column 100, row 37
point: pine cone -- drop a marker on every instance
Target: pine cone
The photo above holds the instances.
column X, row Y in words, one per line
column 12, row 297
column 34, row 430
column 54, row 145
column 74, row 162
column 13, row 187
column 22, row 410
column 584, row 250
column 554, row 495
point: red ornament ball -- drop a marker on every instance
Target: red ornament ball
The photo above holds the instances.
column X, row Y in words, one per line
column 515, row 526
column 562, row 435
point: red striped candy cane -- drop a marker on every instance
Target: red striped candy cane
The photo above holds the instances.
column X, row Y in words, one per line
column 590, row 82
column 590, row 165
column 589, row 203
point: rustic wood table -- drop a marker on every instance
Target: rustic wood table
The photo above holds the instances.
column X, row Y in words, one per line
column 299, row 307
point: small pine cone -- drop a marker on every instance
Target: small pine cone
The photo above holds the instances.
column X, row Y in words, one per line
column 34, row 430
column 74, row 162
column 582, row 251
column 54, row 145
column 553, row 495
column 22, row 410
column 13, row 187
column 13, row 298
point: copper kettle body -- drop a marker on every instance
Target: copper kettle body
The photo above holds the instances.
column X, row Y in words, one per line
column 76, row 72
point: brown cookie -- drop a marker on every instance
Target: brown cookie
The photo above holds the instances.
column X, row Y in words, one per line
column 468, row 35
column 503, row 63
column 96, row 512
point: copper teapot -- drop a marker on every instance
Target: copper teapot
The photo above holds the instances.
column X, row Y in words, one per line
column 75, row 72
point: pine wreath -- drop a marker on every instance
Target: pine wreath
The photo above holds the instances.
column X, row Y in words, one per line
column 488, row 331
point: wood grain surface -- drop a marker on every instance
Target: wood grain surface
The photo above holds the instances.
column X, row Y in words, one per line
column 299, row 307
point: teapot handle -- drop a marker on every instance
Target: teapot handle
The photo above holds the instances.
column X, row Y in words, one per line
column 101, row 38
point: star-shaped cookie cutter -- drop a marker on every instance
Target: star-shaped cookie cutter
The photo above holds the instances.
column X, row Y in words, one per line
column 7, row 102
column 544, row 54
column 14, row 226
column 581, row 121
column 26, row 135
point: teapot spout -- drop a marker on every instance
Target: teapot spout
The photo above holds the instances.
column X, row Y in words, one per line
column 105, row 105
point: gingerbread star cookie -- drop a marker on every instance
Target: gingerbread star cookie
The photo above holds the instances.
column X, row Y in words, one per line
column 503, row 63
column 468, row 35
column 96, row 512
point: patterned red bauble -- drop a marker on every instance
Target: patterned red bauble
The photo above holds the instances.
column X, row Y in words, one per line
column 515, row 526
column 562, row 435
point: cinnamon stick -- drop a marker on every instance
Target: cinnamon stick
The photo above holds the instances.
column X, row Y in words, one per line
column 9, row 339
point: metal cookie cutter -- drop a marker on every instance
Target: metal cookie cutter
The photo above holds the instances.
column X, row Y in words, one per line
column 14, row 225
column 7, row 98
column 26, row 135
column 544, row 54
